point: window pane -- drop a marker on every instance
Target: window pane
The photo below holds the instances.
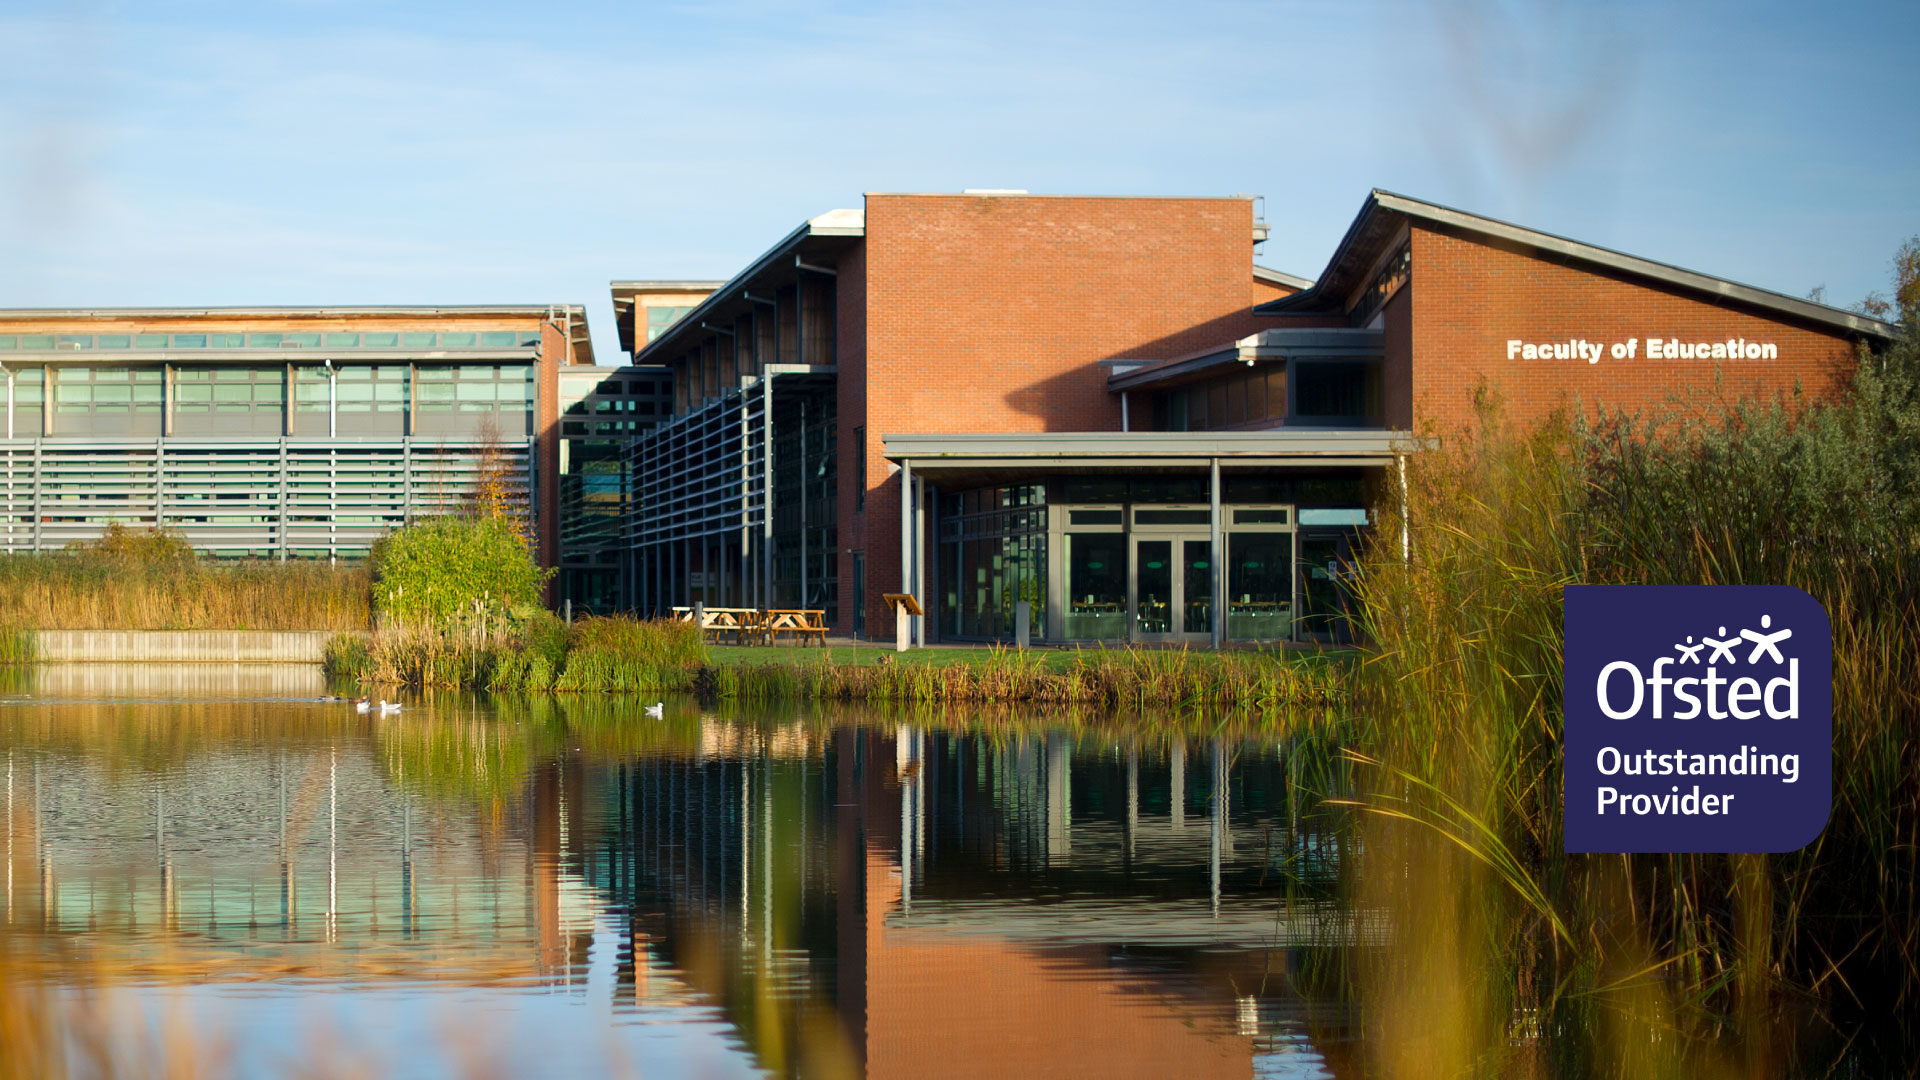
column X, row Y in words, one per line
column 113, row 341
column 45, row 341
column 1260, row 586
column 456, row 341
column 189, row 341
column 304, row 340
column 1096, row 586
column 417, row 340
column 337, row 340
column 9, row 341
column 379, row 341
column 500, row 339
column 264, row 341
column 76, row 341
column 226, row 341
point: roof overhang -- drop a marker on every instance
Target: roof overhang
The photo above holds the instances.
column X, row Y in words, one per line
column 625, row 293
column 826, row 234
column 1267, row 345
column 1159, row 450
column 1384, row 213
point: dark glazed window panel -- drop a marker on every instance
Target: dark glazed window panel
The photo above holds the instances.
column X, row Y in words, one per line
column 1171, row 517
column 1277, row 516
column 1153, row 599
column 1196, row 561
column 1096, row 587
column 1337, row 391
column 1094, row 517
column 1260, row 586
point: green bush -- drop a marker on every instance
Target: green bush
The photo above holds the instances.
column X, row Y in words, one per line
column 437, row 569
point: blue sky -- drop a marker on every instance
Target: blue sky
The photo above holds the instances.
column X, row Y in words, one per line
column 345, row 152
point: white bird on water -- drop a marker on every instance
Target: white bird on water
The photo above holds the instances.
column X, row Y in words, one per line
column 657, row 710
column 389, row 706
column 361, row 704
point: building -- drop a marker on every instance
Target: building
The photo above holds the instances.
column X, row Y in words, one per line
column 277, row 432
column 1077, row 402
column 603, row 410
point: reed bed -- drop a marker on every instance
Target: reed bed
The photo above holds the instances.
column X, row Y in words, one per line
column 1652, row 965
column 1164, row 678
column 131, row 580
column 528, row 652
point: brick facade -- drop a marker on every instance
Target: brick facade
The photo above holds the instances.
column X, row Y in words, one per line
column 991, row 314
column 1466, row 299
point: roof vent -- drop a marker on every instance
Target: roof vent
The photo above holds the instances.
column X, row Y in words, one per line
column 994, row 191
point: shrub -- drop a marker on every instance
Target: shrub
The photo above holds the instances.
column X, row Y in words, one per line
column 433, row 570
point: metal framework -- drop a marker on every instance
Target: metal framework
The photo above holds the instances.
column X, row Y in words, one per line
column 270, row 498
column 700, row 514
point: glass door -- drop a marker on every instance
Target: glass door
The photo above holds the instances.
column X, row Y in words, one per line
column 1172, row 589
column 1154, row 601
column 1196, row 574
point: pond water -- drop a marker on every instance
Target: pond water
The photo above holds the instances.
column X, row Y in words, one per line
column 214, row 865
column 483, row 887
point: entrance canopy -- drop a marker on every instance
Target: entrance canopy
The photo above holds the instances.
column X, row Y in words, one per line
column 1134, row 536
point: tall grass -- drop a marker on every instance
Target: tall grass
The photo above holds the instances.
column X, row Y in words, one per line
column 131, row 580
column 530, row 651
column 1167, row 678
column 1650, row 959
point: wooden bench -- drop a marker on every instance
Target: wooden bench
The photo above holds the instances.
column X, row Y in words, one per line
column 807, row 625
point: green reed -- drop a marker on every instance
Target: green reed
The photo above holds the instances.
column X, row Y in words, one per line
column 523, row 652
column 1460, row 719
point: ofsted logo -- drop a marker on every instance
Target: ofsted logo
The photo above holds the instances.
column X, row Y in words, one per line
column 1707, row 739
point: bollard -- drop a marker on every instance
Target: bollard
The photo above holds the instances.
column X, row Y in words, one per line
column 569, row 606
column 1022, row 622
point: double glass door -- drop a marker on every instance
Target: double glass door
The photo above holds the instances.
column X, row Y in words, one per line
column 1173, row 588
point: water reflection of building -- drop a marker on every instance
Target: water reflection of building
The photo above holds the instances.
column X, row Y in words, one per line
column 976, row 906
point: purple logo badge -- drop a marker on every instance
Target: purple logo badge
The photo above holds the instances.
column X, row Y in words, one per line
column 1699, row 718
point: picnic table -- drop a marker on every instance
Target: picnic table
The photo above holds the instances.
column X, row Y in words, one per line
column 805, row 624
column 717, row 623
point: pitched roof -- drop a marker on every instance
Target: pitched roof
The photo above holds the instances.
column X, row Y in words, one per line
column 1381, row 215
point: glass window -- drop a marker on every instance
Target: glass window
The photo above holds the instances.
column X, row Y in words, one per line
column 1337, row 391
column 379, row 341
column 338, row 340
column 76, row 341
column 265, row 341
column 189, row 341
column 44, row 341
column 308, row 341
column 192, row 393
column 500, row 339
column 226, row 341
column 1260, row 586
column 1093, row 517
column 1096, row 586
column 1171, row 517
column 417, row 339
column 9, row 341
column 1273, row 516
column 1333, row 517
column 457, row 341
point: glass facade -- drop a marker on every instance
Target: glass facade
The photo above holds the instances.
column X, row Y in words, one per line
column 993, row 552
column 409, row 339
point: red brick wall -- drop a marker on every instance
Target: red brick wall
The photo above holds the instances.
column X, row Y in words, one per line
column 850, row 357
column 555, row 350
column 1469, row 298
column 990, row 314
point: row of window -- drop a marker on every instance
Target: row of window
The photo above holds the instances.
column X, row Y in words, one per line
column 355, row 389
column 390, row 339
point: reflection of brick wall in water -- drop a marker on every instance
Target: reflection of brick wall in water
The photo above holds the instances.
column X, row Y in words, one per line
column 953, row 1005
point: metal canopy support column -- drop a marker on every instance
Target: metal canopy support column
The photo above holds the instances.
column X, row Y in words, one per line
column 906, row 533
column 1216, row 555
column 766, row 489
